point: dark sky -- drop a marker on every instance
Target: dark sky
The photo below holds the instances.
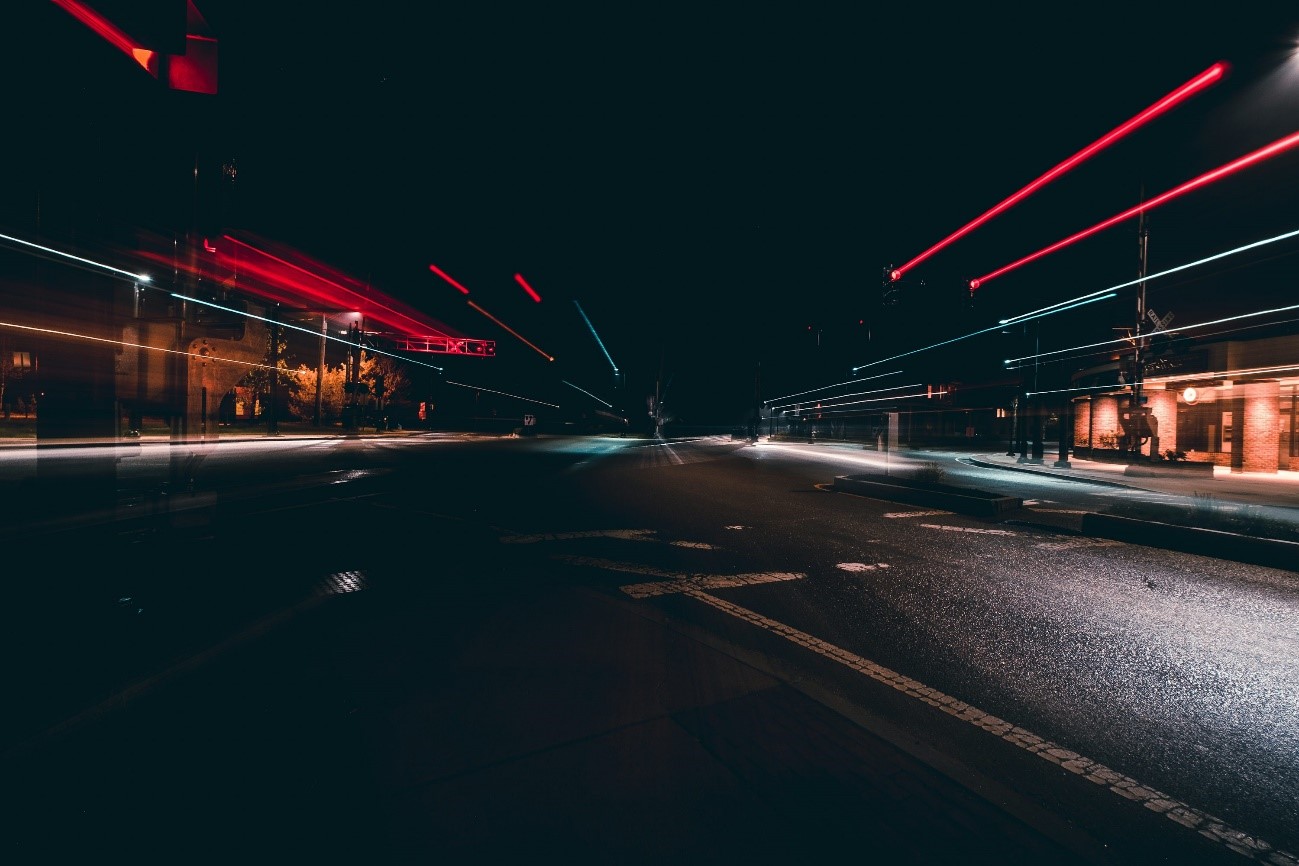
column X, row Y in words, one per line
column 721, row 185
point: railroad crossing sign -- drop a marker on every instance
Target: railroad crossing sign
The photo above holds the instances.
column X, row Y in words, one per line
column 1160, row 323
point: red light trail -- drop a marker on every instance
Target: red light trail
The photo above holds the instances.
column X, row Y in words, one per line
column 435, row 269
column 518, row 278
column 1232, row 167
column 329, row 292
column 1195, row 85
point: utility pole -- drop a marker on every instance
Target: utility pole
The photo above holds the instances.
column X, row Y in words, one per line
column 272, row 421
column 1137, row 401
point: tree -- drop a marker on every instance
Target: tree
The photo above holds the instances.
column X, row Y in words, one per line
column 258, row 380
column 302, row 393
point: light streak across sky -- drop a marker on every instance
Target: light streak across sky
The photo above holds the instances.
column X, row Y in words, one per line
column 811, row 410
column 293, row 327
column 598, row 341
column 1167, row 331
column 521, row 338
column 1187, row 377
column 826, row 400
column 1195, row 85
column 518, row 278
column 1163, row 273
column 587, row 393
column 1266, row 152
column 502, row 393
column 214, row 358
column 836, row 385
column 435, row 269
column 1100, row 295
column 142, row 278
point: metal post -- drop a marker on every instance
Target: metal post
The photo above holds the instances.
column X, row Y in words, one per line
column 320, row 369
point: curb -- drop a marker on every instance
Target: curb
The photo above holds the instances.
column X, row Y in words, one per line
column 1269, row 552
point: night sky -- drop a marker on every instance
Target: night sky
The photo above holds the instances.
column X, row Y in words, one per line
column 720, row 185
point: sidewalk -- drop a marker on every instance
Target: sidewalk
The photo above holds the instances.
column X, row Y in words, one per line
column 1280, row 488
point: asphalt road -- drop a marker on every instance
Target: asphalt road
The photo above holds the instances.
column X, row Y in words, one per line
column 1169, row 676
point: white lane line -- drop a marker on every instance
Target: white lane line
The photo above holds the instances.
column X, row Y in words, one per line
column 736, row 526
column 696, row 545
column 861, row 566
column 968, row 529
column 1058, row 510
column 625, row 534
column 916, row 513
column 1188, row 816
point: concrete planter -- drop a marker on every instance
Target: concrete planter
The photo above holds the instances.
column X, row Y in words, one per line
column 978, row 503
column 1170, row 469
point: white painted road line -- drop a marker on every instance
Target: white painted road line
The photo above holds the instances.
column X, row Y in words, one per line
column 625, row 534
column 916, row 513
column 1188, row 816
column 1077, row 543
column 968, row 529
column 861, row 566
column 679, row 581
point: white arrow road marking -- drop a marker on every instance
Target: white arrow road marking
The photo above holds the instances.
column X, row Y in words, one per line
column 625, row 534
column 678, row 581
column 967, row 529
column 861, row 566
column 916, row 513
column 1188, row 816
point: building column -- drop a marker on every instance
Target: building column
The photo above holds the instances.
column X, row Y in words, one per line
column 1082, row 421
column 1105, row 419
column 1163, row 409
column 1262, row 424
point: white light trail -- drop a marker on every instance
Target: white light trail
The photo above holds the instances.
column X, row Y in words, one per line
column 586, row 392
column 1118, row 340
column 213, row 358
column 143, row 278
column 845, row 396
column 1187, row 377
column 1165, row 273
column 598, row 341
column 502, row 393
column 313, row 332
column 826, row 387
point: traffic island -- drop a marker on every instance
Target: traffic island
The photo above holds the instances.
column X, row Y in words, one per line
column 977, row 503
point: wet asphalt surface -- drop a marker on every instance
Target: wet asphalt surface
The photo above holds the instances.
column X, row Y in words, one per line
column 1178, row 671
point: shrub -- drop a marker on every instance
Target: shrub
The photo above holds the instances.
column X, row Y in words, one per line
column 930, row 473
